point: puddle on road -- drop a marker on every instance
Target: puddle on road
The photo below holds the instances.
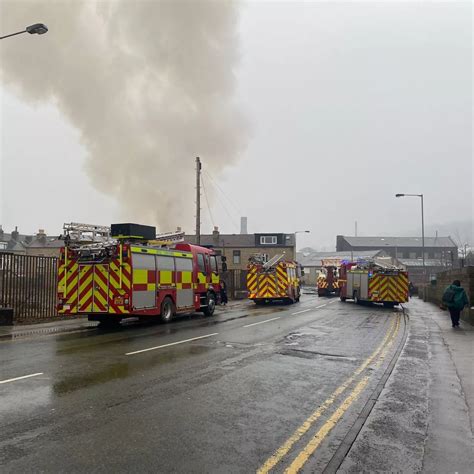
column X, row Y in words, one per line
column 122, row 370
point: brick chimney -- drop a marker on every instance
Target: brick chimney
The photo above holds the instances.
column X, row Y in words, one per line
column 41, row 236
column 215, row 236
column 15, row 235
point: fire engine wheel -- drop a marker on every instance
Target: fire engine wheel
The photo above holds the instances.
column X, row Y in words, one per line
column 356, row 298
column 342, row 298
column 208, row 310
column 107, row 322
column 389, row 304
column 167, row 310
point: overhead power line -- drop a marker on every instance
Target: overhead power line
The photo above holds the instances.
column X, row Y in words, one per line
column 223, row 193
column 221, row 202
column 207, row 201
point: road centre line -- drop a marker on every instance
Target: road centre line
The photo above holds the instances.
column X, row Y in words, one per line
column 317, row 439
column 21, row 378
column 302, row 311
column 171, row 344
column 273, row 460
column 261, row 322
column 309, row 309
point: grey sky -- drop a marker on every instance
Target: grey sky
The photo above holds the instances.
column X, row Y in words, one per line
column 348, row 103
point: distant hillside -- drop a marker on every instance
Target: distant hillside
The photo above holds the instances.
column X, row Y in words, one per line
column 462, row 232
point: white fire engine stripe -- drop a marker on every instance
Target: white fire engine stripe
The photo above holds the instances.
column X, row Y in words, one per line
column 171, row 344
column 21, row 378
column 261, row 322
column 303, row 311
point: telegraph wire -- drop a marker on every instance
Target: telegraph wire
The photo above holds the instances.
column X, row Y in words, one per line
column 207, row 201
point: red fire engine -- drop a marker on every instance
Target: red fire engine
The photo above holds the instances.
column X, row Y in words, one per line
column 131, row 272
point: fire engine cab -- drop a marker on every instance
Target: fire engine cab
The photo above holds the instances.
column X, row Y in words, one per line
column 127, row 270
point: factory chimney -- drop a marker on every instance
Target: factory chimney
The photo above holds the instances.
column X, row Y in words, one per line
column 243, row 225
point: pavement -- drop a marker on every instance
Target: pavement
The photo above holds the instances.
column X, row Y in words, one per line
column 423, row 419
column 320, row 386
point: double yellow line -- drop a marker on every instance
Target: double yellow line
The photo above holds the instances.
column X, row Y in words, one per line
column 378, row 355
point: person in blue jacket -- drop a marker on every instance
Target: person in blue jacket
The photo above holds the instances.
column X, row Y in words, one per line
column 455, row 299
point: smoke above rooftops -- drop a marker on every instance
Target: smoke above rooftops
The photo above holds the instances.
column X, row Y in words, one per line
column 149, row 85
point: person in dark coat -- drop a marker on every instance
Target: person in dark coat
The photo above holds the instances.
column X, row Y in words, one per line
column 223, row 293
column 455, row 299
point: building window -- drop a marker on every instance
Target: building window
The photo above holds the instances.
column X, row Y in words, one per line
column 268, row 240
column 3, row 245
column 412, row 254
column 236, row 257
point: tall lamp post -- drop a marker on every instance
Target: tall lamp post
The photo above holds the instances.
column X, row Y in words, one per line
column 300, row 232
column 36, row 29
column 422, row 228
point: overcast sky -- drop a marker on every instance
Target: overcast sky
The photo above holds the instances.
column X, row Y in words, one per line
column 347, row 104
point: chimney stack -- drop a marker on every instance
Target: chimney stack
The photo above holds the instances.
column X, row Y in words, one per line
column 15, row 235
column 243, row 225
column 215, row 236
column 41, row 235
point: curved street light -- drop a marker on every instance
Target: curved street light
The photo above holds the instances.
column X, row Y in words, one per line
column 422, row 227
column 300, row 232
column 36, row 29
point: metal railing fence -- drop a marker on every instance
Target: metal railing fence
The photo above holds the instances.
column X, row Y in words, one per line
column 28, row 285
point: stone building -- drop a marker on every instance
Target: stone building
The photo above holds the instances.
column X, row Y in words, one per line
column 238, row 248
column 38, row 245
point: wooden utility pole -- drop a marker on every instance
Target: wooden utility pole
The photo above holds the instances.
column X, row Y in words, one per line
column 198, row 200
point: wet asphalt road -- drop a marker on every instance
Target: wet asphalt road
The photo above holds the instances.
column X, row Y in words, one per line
column 220, row 394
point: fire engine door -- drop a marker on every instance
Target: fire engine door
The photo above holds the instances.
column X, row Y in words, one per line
column 93, row 288
column 101, row 289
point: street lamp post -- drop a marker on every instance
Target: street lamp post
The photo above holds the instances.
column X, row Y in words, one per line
column 422, row 228
column 300, row 232
column 36, row 29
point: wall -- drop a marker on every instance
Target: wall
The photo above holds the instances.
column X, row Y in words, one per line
column 434, row 292
column 43, row 251
column 310, row 276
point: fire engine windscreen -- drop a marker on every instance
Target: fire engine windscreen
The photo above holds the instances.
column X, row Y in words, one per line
column 150, row 85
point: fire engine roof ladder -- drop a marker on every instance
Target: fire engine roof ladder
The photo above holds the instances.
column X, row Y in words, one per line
column 86, row 233
column 168, row 238
column 273, row 261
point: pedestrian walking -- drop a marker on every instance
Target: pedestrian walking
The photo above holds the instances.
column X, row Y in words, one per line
column 223, row 293
column 455, row 299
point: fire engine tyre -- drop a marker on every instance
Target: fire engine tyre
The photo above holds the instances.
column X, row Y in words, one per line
column 389, row 304
column 107, row 322
column 343, row 298
column 208, row 310
column 356, row 298
column 167, row 310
